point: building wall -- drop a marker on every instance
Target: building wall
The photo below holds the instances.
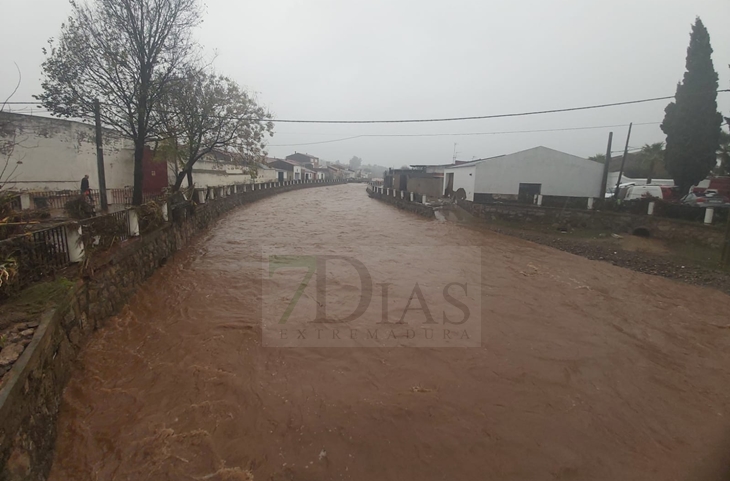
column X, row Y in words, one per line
column 54, row 154
column 464, row 178
column 560, row 174
column 214, row 179
column 430, row 186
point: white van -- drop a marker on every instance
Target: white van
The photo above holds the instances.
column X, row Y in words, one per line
column 640, row 191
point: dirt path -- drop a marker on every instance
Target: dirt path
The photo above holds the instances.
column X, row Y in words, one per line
column 585, row 370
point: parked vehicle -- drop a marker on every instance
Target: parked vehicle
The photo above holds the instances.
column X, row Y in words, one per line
column 611, row 192
column 707, row 198
column 716, row 184
column 664, row 192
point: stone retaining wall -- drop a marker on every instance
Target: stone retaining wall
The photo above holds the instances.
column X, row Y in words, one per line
column 659, row 227
column 30, row 396
column 673, row 230
column 418, row 208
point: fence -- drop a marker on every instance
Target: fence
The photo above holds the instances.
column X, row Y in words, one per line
column 30, row 257
column 57, row 199
column 105, row 231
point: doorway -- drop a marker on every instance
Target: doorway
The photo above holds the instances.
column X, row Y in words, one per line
column 527, row 193
column 449, row 184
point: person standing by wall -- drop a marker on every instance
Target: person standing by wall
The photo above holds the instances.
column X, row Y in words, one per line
column 85, row 188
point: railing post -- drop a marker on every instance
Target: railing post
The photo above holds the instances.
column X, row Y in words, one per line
column 590, row 203
column 411, row 196
column 539, row 200
column 133, row 223
column 165, row 211
column 25, row 202
column 650, row 209
column 201, row 196
column 75, row 243
column 709, row 214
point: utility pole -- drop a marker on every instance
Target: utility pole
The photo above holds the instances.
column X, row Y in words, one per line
column 604, row 179
column 453, row 159
column 623, row 161
column 725, row 262
column 100, row 157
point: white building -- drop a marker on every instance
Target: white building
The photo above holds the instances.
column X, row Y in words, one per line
column 524, row 176
column 54, row 154
column 218, row 169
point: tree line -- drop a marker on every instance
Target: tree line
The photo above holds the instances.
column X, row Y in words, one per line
column 139, row 59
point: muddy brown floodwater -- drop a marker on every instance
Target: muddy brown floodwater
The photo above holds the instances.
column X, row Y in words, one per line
column 585, row 370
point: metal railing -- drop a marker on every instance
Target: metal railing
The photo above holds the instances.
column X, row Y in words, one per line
column 35, row 255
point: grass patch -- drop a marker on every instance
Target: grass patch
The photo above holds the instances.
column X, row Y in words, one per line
column 39, row 297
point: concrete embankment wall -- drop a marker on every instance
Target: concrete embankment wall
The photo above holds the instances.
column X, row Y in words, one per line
column 402, row 203
column 30, row 396
column 671, row 230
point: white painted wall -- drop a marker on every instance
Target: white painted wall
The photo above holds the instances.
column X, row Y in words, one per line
column 267, row 175
column 54, row 154
column 560, row 174
column 464, row 178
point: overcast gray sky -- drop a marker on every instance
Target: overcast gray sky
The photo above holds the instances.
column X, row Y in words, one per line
column 392, row 59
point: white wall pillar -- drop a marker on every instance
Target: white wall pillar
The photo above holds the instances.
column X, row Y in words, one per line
column 133, row 223
column 25, row 202
column 201, row 196
column 402, row 194
column 75, row 244
column 423, row 200
column 539, row 199
column 650, row 209
column 709, row 214
column 211, row 193
column 590, row 203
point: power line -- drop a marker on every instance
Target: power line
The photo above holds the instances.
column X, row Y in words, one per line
column 453, row 119
column 461, row 134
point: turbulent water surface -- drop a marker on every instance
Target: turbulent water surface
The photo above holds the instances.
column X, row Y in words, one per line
column 581, row 370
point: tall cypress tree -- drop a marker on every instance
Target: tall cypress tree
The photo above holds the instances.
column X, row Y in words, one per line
column 691, row 122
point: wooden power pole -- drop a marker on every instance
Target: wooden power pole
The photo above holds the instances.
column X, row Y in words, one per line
column 100, row 157
column 604, row 179
column 623, row 161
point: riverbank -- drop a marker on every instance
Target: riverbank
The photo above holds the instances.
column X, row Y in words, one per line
column 30, row 390
column 687, row 262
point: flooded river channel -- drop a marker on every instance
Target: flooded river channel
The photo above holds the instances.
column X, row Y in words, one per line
column 565, row 368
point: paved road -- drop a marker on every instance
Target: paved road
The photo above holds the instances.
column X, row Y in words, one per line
column 582, row 370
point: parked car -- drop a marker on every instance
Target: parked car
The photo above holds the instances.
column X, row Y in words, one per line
column 704, row 199
column 664, row 192
column 611, row 192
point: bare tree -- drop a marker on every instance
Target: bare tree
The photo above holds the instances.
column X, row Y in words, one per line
column 204, row 112
column 125, row 53
column 8, row 142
